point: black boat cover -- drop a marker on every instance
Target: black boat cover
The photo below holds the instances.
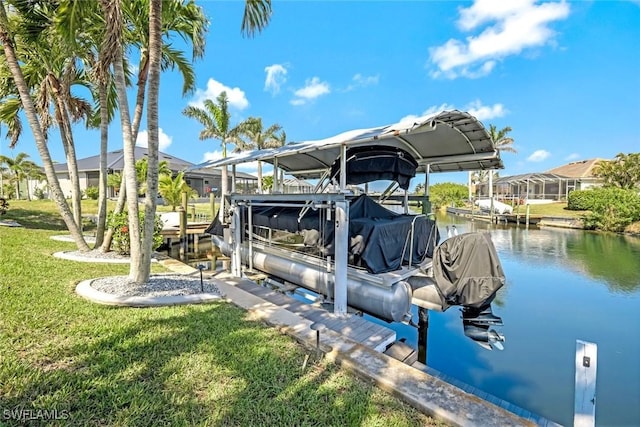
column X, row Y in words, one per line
column 377, row 162
column 467, row 270
column 378, row 237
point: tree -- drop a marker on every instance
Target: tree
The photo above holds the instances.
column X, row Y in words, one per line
column 215, row 119
column 8, row 44
column 447, row 193
column 501, row 142
column 622, row 172
column 142, row 168
column 182, row 18
column 150, row 203
column 252, row 136
column 171, row 189
column 257, row 14
column 18, row 169
column 49, row 68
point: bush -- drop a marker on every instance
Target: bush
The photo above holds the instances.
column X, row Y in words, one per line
column 613, row 209
column 4, row 205
column 448, row 194
column 38, row 193
column 121, row 242
column 92, row 193
column 581, row 200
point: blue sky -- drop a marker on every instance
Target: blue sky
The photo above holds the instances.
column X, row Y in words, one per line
column 564, row 75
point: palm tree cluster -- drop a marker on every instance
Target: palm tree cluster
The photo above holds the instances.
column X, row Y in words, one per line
column 16, row 171
column 54, row 50
column 249, row 134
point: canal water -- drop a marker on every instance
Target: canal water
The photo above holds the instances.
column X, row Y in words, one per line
column 562, row 286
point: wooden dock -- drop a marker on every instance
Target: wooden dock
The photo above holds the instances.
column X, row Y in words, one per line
column 354, row 327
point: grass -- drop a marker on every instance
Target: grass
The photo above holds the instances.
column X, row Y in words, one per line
column 187, row 365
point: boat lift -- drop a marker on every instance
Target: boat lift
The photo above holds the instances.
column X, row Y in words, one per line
column 443, row 142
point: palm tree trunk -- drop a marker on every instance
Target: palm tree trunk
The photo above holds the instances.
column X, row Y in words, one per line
column 66, row 135
column 155, row 54
column 34, row 123
column 102, row 182
column 129, row 169
column 142, row 83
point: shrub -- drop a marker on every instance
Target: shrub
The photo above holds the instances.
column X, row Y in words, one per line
column 4, row 205
column 581, row 200
column 92, row 193
column 38, row 193
column 121, row 242
column 613, row 209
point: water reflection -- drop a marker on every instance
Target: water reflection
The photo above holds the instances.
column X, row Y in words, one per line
column 562, row 285
column 609, row 257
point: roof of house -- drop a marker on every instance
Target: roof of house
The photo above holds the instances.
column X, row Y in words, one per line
column 115, row 162
column 579, row 169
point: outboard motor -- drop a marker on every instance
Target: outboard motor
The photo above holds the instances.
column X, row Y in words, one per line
column 467, row 272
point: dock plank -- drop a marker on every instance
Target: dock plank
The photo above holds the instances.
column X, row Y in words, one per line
column 352, row 326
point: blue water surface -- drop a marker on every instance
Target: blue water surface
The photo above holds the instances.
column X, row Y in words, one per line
column 562, row 286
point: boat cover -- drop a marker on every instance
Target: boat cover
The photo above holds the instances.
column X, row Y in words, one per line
column 377, row 162
column 467, row 270
column 378, row 237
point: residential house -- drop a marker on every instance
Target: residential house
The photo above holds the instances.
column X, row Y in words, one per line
column 203, row 181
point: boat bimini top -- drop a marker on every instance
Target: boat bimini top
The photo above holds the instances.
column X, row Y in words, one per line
column 448, row 141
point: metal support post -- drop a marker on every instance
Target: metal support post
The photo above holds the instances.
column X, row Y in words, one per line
column 423, row 333
column 341, row 256
column 236, row 243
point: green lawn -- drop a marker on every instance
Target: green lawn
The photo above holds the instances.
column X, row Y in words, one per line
column 188, row 365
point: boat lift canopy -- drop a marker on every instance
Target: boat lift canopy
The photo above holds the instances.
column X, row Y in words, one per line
column 448, row 141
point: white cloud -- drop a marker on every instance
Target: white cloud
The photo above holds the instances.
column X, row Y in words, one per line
column 237, row 98
column 211, row 155
column 572, row 156
column 475, row 108
column 512, row 26
column 276, row 77
column 359, row 80
column 250, row 167
column 485, row 112
column 538, row 156
column 312, row 89
column 164, row 140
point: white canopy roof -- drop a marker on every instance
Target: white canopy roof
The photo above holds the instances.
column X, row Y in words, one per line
column 448, row 141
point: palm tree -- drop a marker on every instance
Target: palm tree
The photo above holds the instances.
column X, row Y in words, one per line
column 252, row 136
column 150, row 201
column 215, row 119
column 19, row 169
column 142, row 168
column 50, row 70
column 8, row 44
column 501, row 142
column 171, row 189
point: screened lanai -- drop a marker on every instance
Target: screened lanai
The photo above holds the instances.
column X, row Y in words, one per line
column 532, row 186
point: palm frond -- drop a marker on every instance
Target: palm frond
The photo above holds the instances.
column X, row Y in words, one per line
column 257, row 14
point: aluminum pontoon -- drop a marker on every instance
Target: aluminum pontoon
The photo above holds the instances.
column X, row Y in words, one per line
column 348, row 247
